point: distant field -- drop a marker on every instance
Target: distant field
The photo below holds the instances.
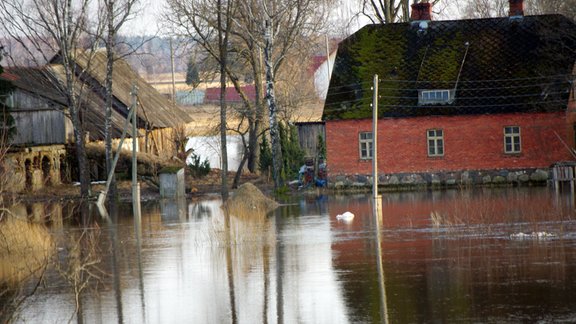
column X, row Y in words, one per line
column 206, row 118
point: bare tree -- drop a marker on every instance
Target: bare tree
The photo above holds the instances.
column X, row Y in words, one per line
column 387, row 11
column 499, row 8
column 46, row 27
column 486, row 8
column 117, row 13
column 564, row 7
column 208, row 23
column 275, row 30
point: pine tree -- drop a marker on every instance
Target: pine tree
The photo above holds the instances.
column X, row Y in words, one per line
column 192, row 74
column 292, row 154
column 265, row 161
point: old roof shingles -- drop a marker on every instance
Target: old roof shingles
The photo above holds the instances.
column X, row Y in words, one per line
column 494, row 65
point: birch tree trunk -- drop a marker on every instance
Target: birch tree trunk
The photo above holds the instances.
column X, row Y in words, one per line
column 117, row 13
column 110, row 41
column 272, row 109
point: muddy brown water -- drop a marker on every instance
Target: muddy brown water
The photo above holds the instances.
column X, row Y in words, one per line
column 474, row 256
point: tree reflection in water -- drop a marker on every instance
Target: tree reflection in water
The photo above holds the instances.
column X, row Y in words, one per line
column 191, row 262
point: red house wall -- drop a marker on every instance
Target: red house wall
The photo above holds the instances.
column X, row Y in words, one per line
column 470, row 143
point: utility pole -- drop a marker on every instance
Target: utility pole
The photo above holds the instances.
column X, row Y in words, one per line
column 173, row 71
column 375, row 139
column 375, row 196
column 130, row 117
column 135, row 184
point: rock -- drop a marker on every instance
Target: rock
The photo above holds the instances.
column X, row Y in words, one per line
column 539, row 175
column 393, row 180
column 499, row 179
column 524, row 178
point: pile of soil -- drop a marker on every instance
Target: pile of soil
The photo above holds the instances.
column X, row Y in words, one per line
column 248, row 199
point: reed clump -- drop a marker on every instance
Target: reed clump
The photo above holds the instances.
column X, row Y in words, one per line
column 25, row 249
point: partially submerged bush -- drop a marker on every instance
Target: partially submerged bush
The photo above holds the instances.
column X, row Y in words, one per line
column 198, row 169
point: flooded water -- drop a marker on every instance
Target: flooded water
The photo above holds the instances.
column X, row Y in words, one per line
column 473, row 256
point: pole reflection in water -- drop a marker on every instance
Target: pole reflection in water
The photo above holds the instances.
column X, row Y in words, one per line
column 377, row 212
column 279, row 269
column 301, row 265
column 114, row 236
column 230, row 268
column 138, row 235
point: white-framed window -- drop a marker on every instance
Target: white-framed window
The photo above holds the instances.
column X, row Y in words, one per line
column 435, row 142
column 436, row 96
column 366, row 145
column 512, row 143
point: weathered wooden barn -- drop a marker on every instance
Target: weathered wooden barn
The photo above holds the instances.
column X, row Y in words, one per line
column 478, row 101
column 159, row 119
column 38, row 154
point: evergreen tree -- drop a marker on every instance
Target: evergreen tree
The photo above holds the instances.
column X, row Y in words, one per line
column 192, row 73
column 292, row 154
column 321, row 147
column 7, row 123
column 265, row 161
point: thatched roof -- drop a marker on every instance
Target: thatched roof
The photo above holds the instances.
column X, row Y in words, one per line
column 154, row 108
column 44, row 83
column 38, row 81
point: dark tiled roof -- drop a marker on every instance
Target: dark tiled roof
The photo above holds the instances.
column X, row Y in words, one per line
column 496, row 65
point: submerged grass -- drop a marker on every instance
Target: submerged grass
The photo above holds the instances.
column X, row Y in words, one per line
column 26, row 250
column 481, row 211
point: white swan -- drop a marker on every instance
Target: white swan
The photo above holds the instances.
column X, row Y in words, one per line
column 346, row 216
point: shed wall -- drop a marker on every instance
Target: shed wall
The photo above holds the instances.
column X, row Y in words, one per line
column 39, row 121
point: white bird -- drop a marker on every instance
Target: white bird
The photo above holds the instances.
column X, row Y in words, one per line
column 346, row 216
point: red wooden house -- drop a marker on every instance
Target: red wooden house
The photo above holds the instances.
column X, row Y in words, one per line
column 467, row 101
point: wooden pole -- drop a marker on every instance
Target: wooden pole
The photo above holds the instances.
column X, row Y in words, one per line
column 375, row 139
column 135, row 184
column 173, row 71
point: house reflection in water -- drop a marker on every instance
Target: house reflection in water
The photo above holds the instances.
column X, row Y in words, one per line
column 299, row 264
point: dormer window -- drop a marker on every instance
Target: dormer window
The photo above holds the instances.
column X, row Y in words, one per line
column 436, row 96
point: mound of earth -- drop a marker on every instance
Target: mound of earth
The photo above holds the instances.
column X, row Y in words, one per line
column 248, row 199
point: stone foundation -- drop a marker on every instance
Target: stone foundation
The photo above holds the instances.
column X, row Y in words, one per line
column 407, row 181
column 33, row 169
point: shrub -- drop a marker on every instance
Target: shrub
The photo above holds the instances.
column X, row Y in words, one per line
column 199, row 169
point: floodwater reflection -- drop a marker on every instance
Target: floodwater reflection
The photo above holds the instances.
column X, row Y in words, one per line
column 446, row 256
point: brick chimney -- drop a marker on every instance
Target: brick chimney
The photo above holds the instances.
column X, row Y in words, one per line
column 516, row 8
column 421, row 11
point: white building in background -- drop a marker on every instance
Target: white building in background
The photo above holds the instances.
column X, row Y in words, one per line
column 322, row 76
column 208, row 148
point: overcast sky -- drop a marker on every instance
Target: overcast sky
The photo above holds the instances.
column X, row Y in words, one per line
column 146, row 22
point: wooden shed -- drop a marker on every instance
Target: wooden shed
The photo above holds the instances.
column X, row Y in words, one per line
column 44, row 129
column 159, row 119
